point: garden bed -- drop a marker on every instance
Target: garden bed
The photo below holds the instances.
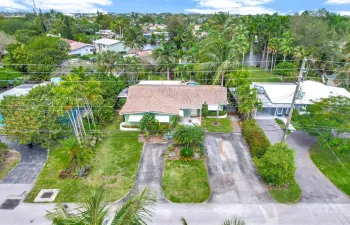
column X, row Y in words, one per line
column 11, row 160
column 114, row 164
column 225, row 125
column 186, row 182
column 290, row 194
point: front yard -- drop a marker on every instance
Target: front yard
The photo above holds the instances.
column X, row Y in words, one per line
column 114, row 164
column 290, row 194
column 223, row 126
column 11, row 159
column 186, row 182
column 328, row 164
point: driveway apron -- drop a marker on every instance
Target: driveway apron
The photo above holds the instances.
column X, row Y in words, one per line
column 31, row 162
column 150, row 171
column 232, row 173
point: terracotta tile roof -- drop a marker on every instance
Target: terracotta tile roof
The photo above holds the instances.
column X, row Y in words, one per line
column 169, row 99
column 74, row 45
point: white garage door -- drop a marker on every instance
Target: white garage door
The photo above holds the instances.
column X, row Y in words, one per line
column 163, row 119
column 135, row 118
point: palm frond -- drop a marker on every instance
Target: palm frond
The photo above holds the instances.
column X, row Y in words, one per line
column 234, row 221
column 137, row 210
column 183, row 221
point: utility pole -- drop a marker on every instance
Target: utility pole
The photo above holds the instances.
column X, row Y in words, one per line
column 34, row 8
column 289, row 119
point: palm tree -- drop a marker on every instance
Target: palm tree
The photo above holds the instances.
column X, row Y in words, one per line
column 79, row 156
column 299, row 52
column 137, row 210
column 286, row 45
column 234, row 221
column 108, row 61
column 166, row 55
column 134, row 38
column 218, row 55
column 274, row 46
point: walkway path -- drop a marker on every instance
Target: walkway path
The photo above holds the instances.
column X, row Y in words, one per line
column 150, row 172
column 232, row 173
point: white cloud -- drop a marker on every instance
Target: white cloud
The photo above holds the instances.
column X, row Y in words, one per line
column 337, row 2
column 243, row 7
column 343, row 13
column 67, row 6
column 7, row 4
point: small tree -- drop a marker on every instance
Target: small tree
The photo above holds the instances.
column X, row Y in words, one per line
column 277, row 165
column 205, row 110
column 189, row 136
column 3, row 151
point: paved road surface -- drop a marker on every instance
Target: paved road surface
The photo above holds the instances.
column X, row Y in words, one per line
column 30, row 165
column 315, row 186
column 150, row 172
column 232, row 173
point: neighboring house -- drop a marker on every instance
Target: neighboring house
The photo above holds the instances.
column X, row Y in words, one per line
column 106, row 44
column 166, row 35
column 106, row 33
column 79, row 48
column 277, row 97
column 166, row 101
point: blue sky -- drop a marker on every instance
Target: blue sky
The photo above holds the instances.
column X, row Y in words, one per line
column 176, row 6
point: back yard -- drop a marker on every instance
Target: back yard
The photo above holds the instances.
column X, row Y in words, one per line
column 114, row 164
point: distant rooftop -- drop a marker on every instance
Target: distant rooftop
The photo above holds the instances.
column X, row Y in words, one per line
column 20, row 90
column 161, row 82
column 106, row 41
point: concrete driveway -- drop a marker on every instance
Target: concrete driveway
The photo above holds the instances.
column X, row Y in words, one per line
column 232, row 173
column 315, row 186
column 31, row 162
column 150, row 171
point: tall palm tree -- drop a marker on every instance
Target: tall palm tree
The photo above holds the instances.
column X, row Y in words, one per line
column 137, row 210
column 108, row 61
column 286, row 45
column 134, row 38
column 218, row 56
column 166, row 55
column 274, row 46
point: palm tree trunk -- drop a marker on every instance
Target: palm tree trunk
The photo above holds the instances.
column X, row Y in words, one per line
column 272, row 62
column 263, row 57
column 243, row 60
column 251, row 52
column 219, row 103
column 168, row 73
column 284, row 58
column 267, row 61
column 274, row 65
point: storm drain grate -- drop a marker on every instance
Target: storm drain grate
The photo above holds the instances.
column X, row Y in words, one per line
column 47, row 195
column 10, row 203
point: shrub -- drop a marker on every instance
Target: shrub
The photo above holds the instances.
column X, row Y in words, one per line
column 256, row 139
column 205, row 110
column 189, row 136
column 174, row 121
column 148, row 123
column 213, row 113
column 186, row 154
column 277, row 165
column 3, row 151
column 287, row 69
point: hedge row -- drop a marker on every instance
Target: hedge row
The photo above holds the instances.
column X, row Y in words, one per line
column 255, row 138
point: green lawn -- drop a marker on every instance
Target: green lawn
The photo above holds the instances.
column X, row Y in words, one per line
column 290, row 195
column 186, row 182
column 260, row 75
column 11, row 160
column 328, row 164
column 9, row 74
column 115, row 165
column 225, row 125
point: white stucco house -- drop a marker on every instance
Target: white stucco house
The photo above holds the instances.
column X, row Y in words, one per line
column 167, row 99
column 79, row 48
column 106, row 44
column 277, row 97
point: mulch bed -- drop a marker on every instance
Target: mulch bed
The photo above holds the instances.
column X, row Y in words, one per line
column 216, row 124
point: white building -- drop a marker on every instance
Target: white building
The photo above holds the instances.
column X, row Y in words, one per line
column 79, row 48
column 106, row 33
column 277, row 97
column 106, row 44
